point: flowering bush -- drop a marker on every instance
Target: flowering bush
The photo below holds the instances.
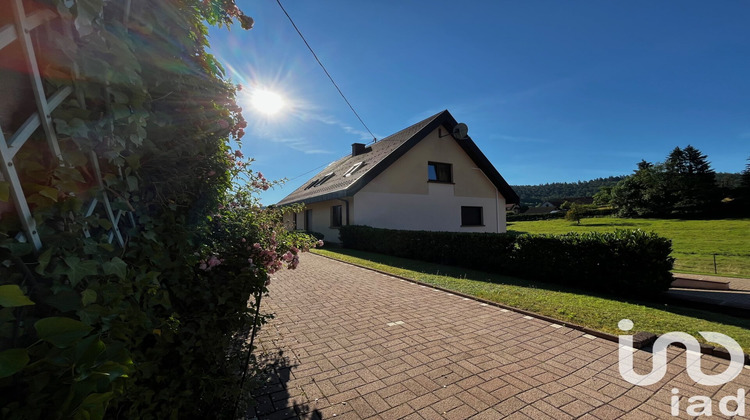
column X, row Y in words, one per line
column 155, row 329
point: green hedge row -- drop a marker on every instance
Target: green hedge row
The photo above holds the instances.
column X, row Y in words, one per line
column 549, row 216
column 634, row 263
column 531, row 217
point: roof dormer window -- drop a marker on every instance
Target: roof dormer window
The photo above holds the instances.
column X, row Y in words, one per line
column 353, row 169
column 324, row 179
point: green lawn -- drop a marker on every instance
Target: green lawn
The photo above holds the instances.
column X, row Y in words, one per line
column 597, row 312
column 694, row 241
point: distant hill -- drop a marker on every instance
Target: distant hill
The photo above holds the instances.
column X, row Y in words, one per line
column 532, row 195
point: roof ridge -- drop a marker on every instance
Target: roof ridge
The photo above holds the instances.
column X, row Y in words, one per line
column 425, row 121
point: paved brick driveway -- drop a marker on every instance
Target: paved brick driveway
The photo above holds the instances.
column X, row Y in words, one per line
column 352, row 343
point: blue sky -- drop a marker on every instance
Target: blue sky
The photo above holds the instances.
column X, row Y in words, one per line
column 552, row 91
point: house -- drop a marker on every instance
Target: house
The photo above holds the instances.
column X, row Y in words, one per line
column 512, row 208
column 554, row 204
column 421, row 178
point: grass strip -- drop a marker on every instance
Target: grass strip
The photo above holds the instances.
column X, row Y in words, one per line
column 595, row 311
column 695, row 242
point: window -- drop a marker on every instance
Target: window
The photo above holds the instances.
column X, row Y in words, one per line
column 471, row 216
column 320, row 181
column 308, row 220
column 336, row 216
column 324, row 179
column 439, row 172
column 353, row 169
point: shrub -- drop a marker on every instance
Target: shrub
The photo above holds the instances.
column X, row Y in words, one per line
column 156, row 328
column 531, row 217
column 621, row 262
column 317, row 235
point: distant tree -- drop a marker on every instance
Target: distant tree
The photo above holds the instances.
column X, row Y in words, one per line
column 691, row 181
column 575, row 213
column 644, row 193
column 536, row 194
column 744, row 188
column 604, row 196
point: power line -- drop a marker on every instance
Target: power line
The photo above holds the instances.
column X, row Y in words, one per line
column 326, row 71
column 313, row 169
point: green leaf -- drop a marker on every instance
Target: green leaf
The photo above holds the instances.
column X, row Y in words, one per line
column 12, row 361
column 120, row 111
column 44, row 260
column 11, row 296
column 119, row 97
column 4, row 191
column 61, row 332
column 88, row 297
column 117, row 267
column 18, row 248
column 87, row 351
column 79, row 269
column 49, row 192
column 134, row 161
column 132, row 183
column 64, row 300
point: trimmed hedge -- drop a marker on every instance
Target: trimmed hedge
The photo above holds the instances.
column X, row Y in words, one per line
column 625, row 262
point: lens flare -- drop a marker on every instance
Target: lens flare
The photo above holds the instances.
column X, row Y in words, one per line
column 267, row 102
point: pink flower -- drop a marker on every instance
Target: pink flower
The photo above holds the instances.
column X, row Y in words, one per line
column 256, row 245
column 213, row 261
column 294, row 263
column 238, row 153
column 212, row 173
column 203, row 266
column 320, row 243
column 244, row 240
column 288, row 256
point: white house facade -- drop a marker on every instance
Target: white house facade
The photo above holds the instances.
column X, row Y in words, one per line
column 421, row 178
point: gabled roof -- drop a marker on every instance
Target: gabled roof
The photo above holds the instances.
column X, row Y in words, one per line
column 332, row 183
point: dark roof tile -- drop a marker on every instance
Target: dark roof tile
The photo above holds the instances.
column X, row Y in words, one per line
column 381, row 154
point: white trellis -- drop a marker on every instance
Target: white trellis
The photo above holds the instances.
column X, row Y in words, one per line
column 21, row 31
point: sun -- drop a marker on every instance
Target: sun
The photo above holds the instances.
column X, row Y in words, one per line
column 267, row 102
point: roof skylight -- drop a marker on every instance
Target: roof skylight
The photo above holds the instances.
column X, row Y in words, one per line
column 353, row 169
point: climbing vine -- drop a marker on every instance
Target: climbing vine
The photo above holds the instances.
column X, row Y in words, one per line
column 155, row 329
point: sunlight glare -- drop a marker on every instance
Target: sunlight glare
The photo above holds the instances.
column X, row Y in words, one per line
column 267, row 102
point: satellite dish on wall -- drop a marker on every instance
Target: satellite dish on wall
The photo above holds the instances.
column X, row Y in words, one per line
column 460, row 131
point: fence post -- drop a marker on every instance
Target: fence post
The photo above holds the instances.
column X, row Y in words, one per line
column 715, row 272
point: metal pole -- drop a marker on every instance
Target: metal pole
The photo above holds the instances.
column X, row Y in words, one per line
column 715, row 272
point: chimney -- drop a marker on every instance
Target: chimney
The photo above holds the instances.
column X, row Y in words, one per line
column 358, row 148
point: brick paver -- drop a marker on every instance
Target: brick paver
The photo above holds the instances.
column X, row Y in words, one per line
column 349, row 342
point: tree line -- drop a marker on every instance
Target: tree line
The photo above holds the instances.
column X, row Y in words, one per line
column 532, row 195
column 683, row 185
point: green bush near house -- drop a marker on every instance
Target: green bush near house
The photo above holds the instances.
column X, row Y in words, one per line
column 624, row 262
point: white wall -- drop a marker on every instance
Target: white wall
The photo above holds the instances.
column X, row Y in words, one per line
column 436, row 212
column 321, row 219
column 401, row 197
